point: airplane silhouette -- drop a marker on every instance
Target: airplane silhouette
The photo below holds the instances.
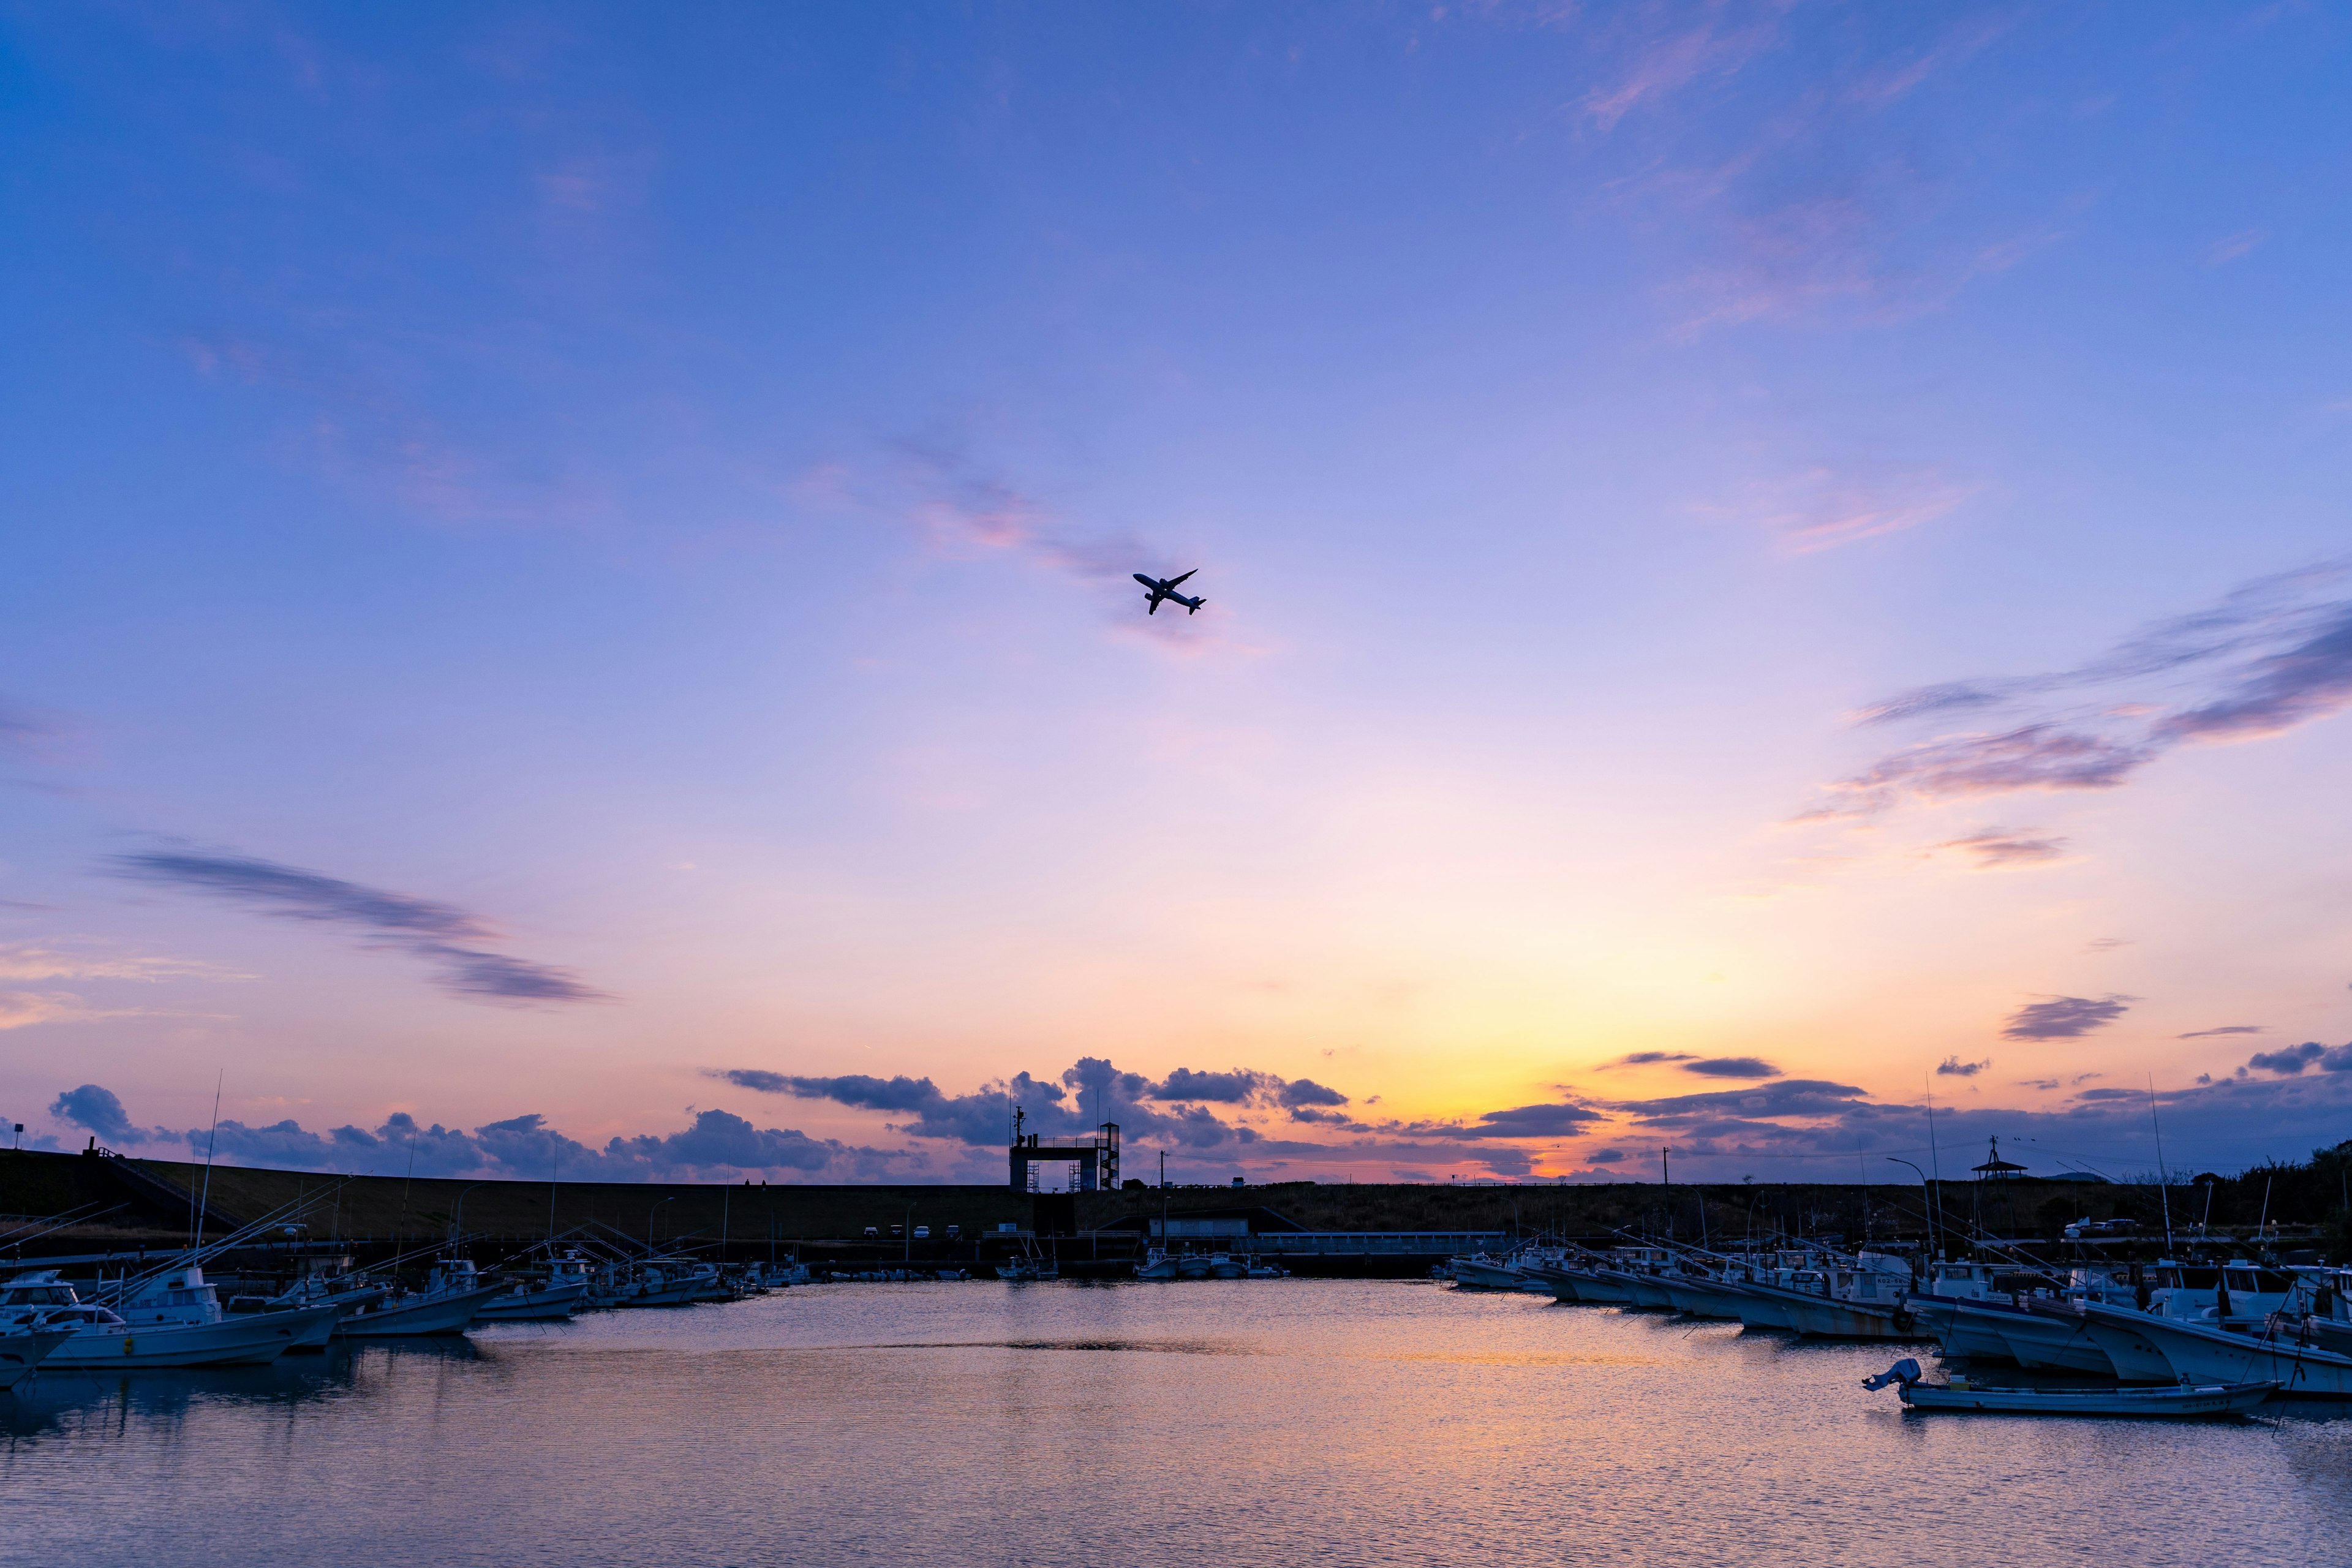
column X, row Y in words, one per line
column 1154, row 590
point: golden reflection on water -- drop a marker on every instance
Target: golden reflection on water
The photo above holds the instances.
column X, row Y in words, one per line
column 1246, row 1422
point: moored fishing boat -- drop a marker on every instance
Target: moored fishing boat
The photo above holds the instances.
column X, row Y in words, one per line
column 24, row 1349
column 453, row 1297
column 2201, row 1354
column 199, row 1335
column 1486, row 1272
column 1157, row 1265
column 550, row 1297
column 2056, row 1341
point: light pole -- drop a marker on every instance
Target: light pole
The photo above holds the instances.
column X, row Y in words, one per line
column 458, row 1222
column 1935, row 1239
column 651, row 1209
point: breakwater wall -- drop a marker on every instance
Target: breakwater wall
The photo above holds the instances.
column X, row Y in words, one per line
column 149, row 1202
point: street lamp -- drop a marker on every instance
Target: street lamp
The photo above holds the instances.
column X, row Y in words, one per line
column 1934, row 1238
column 651, row 1210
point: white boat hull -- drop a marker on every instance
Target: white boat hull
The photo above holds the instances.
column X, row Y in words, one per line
column 21, row 1352
column 434, row 1315
column 1826, row 1317
column 247, row 1339
column 2202, row 1355
column 2050, row 1343
column 1470, row 1274
column 2178, row 1404
column 555, row 1302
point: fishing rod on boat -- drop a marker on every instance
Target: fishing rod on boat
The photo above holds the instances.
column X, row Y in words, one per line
column 191, row 1257
column 55, row 1223
column 49, row 1222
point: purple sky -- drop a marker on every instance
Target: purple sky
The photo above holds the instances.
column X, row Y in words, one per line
column 568, row 586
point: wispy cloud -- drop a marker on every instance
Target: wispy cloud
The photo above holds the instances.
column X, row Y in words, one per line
column 2224, row 1030
column 21, row 1009
column 1822, row 507
column 1997, row 848
column 26, row 960
column 2235, row 248
column 2264, row 659
column 1952, row 1066
column 965, row 506
column 2064, row 1018
column 439, row 932
column 1668, row 51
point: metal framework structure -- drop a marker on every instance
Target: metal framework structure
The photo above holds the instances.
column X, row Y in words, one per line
column 1097, row 1158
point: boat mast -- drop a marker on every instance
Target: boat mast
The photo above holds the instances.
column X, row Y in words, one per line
column 2164, row 1182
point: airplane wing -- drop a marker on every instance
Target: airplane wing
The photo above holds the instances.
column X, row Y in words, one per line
column 1145, row 581
column 1174, row 580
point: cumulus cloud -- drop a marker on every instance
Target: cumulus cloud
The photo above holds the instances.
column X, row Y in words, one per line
column 1952, row 1066
column 717, row 1145
column 1182, row 1107
column 2293, row 1060
column 98, row 1110
column 1238, row 1087
column 441, row 933
column 2064, row 1018
column 2264, row 658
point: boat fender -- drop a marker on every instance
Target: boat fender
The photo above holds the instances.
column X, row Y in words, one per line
column 1905, row 1372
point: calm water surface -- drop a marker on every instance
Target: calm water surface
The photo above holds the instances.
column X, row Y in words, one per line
column 1246, row 1422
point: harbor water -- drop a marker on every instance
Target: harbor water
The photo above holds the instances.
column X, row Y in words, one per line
column 1248, row 1423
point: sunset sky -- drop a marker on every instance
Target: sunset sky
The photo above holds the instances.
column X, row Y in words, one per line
column 566, row 597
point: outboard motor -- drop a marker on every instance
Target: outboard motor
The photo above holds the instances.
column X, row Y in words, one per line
column 1905, row 1372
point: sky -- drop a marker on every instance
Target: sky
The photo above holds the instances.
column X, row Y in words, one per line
column 1778, row 588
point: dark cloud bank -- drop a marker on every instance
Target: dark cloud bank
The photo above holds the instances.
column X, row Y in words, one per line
column 2277, row 1104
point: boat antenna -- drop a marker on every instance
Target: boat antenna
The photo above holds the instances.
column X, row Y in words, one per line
column 1935, row 1161
column 210, row 1138
column 2164, row 1182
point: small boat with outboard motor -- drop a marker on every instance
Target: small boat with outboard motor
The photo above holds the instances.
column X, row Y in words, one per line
column 2180, row 1400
